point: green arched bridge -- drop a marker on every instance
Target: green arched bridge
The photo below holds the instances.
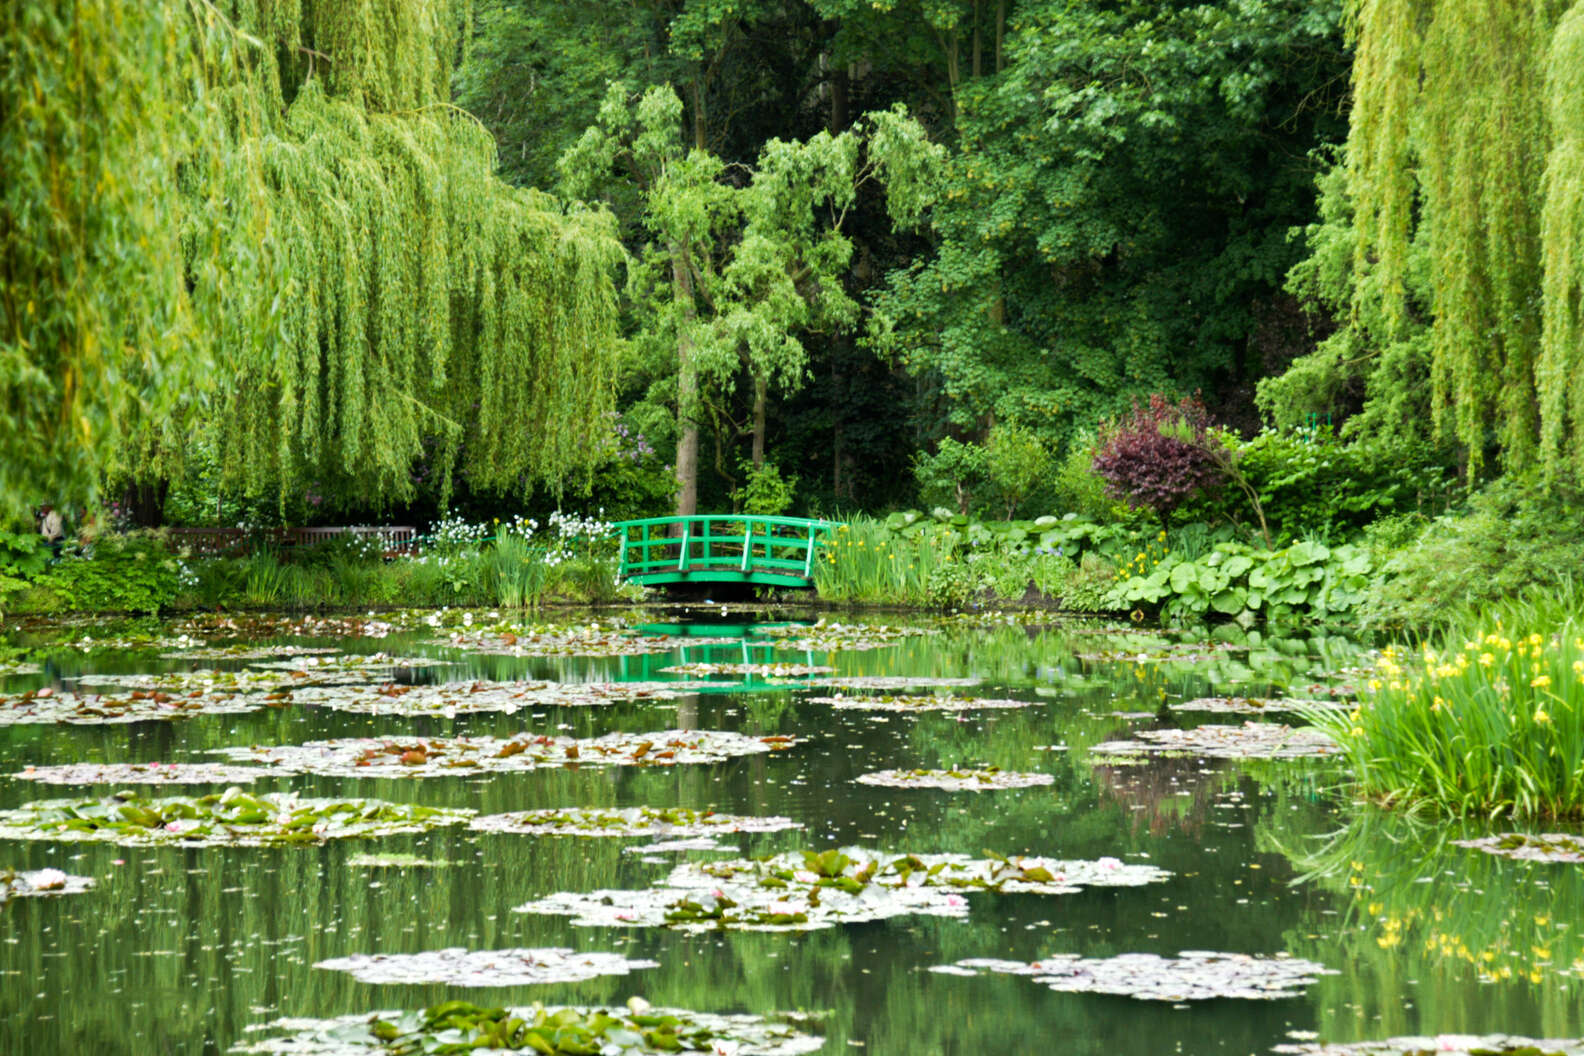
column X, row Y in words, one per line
column 722, row 548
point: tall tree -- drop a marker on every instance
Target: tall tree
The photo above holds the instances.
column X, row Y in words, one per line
column 739, row 262
column 1458, row 202
column 291, row 238
column 1114, row 216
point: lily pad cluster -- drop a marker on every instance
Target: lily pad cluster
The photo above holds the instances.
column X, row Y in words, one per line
column 429, row 757
column 767, row 670
column 461, row 698
column 881, row 683
column 1255, row 705
column 460, row 967
column 359, row 662
column 247, row 651
column 49, row 705
column 229, row 818
column 1193, row 975
column 1527, row 847
column 987, row 779
column 205, row 681
column 1252, row 740
column 18, row 667
column 809, row 890
column 592, row 641
column 1443, row 1045
column 458, row 1026
column 40, row 883
column 918, row 702
column 828, row 636
column 667, row 822
column 140, row 774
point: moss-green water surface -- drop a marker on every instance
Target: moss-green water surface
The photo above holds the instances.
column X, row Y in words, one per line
column 180, row 950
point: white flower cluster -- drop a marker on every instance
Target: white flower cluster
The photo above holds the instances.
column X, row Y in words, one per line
column 457, row 533
column 570, row 526
column 520, row 526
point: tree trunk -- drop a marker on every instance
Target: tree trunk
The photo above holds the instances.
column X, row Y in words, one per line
column 687, row 453
column 761, row 387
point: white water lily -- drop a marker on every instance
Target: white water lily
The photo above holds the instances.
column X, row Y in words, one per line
column 49, row 879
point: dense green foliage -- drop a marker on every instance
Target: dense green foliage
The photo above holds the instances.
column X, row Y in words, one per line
column 266, row 221
column 1451, row 239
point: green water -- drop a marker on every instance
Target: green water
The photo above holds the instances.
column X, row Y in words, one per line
column 179, row 951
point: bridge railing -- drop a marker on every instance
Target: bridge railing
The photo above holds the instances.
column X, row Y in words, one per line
column 722, row 544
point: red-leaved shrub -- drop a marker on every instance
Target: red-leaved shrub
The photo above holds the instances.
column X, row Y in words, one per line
column 1160, row 455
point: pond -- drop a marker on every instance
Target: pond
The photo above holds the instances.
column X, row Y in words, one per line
column 1053, row 760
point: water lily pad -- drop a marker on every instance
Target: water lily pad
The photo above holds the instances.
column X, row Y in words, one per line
column 230, row 818
column 671, row 822
column 857, row 684
column 1443, row 1045
column 829, row 636
column 397, row 861
column 964, row 780
column 809, row 890
column 1531, row 847
column 140, row 774
column 17, row 667
column 50, row 705
column 247, row 651
column 637, row 1030
column 41, row 883
column 459, row 967
column 207, row 681
column 1252, row 740
column 1255, row 705
column 1193, row 975
column 585, row 642
column 128, row 643
column 433, row 756
column 694, row 843
column 361, row 663
column 770, row 670
column 462, row 698
column 919, row 702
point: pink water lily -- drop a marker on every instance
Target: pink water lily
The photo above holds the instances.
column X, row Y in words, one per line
column 1110, row 865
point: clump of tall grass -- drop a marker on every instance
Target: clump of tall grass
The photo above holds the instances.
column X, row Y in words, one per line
column 1485, row 723
column 863, row 561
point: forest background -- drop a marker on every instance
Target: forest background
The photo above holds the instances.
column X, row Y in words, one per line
column 286, row 260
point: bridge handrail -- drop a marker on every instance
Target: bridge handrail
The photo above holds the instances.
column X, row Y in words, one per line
column 750, row 549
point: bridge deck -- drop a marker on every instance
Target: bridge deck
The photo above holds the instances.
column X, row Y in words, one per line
column 721, row 548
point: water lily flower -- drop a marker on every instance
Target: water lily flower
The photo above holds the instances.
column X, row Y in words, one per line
column 956, row 901
column 805, row 876
column 725, row 1048
column 781, row 909
column 627, row 917
column 1110, row 864
column 174, row 826
column 49, row 879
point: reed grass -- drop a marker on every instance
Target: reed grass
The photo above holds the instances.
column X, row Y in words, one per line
column 1487, row 722
column 865, row 562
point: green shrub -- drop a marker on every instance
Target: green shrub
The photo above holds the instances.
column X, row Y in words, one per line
column 1492, row 724
column 1512, row 540
column 765, row 492
column 1311, row 485
column 133, row 573
column 1244, row 582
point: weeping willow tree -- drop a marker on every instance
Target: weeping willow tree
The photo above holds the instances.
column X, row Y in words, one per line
column 262, row 219
column 1463, row 171
column 1561, row 368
